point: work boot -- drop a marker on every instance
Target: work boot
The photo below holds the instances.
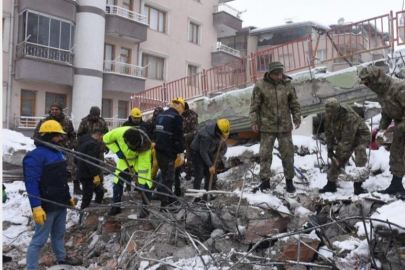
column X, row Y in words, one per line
column 330, row 187
column 76, row 188
column 265, row 184
column 70, row 261
column 114, row 211
column 144, row 213
column 7, row 259
column 289, row 186
column 167, row 206
column 177, row 191
column 358, row 188
column 395, row 186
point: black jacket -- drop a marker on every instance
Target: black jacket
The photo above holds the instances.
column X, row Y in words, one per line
column 206, row 142
column 140, row 125
column 89, row 146
column 169, row 133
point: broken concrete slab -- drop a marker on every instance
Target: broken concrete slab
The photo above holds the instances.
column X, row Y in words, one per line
column 256, row 229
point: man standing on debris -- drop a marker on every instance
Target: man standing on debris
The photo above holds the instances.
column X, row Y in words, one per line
column 150, row 125
column 169, row 143
column 203, row 148
column 45, row 176
column 273, row 102
column 135, row 119
column 190, row 127
column 391, row 96
column 133, row 148
column 88, row 174
column 346, row 132
column 69, row 140
column 92, row 122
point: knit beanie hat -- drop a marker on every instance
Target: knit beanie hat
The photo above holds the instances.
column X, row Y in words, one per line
column 57, row 105
column 95, row 111
column 276, row 67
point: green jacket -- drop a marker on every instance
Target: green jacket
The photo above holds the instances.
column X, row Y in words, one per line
column 140, row 160
column 272, row 105
column 348, row 130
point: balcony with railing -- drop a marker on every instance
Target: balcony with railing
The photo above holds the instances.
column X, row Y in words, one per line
column 115, row 122
column 222, row 54
column 122, row 77
column 44, row 63
column 227, row 20
column 126, row 24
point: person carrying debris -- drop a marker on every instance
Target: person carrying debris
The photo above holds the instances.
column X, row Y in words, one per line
column 391, row 96
column 133, row 148
column 69, row 140
column 150, row 125
column 135, row 119
column 45, row 176
column 169, row 143
column 203, row 150
column 346, row 132
column 88, row 174
column 190, row 127
column 273, row 102
column 91, row 122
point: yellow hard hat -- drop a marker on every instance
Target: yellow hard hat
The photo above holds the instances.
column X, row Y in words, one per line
column 224, row 126
column 181, row 100
column 51, row 126
column 135, row 112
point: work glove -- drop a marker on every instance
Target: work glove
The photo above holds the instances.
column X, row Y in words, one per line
column 72, row 202
column 96, row 180
column 39, row 215
column 212, row 170
column 4, row 196
column 181, row 159
column 120, row 155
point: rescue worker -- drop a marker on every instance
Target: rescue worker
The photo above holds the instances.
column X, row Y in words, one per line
column 391, row 96
column 203, row 150
column 91, row 122
column 346, row 132
column 135, row 120
column 169, row 143
column 133, row 146
column 190, row 128
column 88, row 174
column 274, row 101
column 150, row 125
column 69, row 141
column 46, row 178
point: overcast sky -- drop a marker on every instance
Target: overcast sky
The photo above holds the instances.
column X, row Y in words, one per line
column 266, row 13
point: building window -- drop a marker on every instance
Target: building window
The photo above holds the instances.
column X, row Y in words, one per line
column 320, row 56
column 125, row 58
column 127, row 4
column 156, row 19
column 106, row 108
column 194, row 33
column 108, row 57
column 28, row 103
column 52, row 98
column 122, row 109
column 191, row 74
column 155, row 66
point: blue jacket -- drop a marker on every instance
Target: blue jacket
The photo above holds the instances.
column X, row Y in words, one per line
column 169, row 133
column 45, row 176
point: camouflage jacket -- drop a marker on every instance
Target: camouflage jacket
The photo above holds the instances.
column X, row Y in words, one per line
column 348, row 130
column 391, row 96
column 70, row 140
column 190, row 122
column 273, row 104
column 87, row 126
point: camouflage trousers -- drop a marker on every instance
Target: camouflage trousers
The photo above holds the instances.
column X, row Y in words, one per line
column 71, row 168
column 286, row 149
column 360, row 159
column 189, row 165
column 397, row 155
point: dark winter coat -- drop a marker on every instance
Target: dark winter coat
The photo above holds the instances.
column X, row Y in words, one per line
column 190, row 122
column 206, row 142
column 89, row 146
column 140, row 125
column 87, row 126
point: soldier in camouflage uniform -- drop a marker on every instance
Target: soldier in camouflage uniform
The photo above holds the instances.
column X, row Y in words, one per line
column 69, row 140
column 391, row 96
column 190, row 127
column 273, row 102
column 92, row 122
column 150, row 125
column 344, row 127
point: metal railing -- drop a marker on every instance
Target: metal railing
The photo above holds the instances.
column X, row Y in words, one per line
column 115, row 122
column 122, row 12
column 222, row 48
column 124, row 69
column 32, row 50
column 228, row 9
column 27, row 122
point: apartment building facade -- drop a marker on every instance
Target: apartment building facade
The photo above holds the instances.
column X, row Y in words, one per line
column 98, row 52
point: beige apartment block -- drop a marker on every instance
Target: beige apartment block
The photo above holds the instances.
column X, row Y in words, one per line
column 98, row 52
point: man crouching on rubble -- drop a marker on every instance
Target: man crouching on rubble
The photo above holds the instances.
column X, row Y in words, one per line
column 391, row 96
column 133, row 147
column 346, row 128
column 45, row 176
